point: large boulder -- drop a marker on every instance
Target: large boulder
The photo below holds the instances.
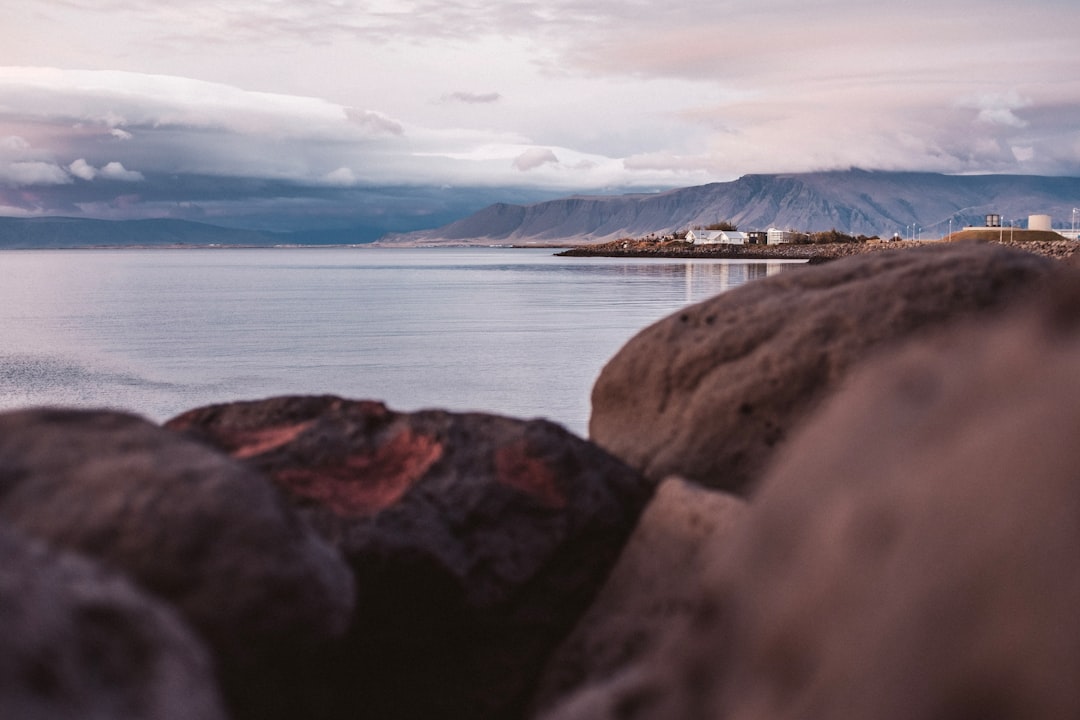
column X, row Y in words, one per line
column 656, row 586
column 912, row 553
column 82, row 643
column 476, row 541
column 189, row 525
column 710, row 392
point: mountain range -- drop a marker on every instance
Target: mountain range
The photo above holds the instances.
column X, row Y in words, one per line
column 852, row 201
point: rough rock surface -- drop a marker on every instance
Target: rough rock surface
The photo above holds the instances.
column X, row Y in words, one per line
column 81, row 643
column 711, row 391
column 476, row 540
column 188, row 524
column 654, row 587
column 912, row 554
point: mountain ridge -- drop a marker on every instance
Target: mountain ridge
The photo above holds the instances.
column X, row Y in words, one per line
column 853, row 201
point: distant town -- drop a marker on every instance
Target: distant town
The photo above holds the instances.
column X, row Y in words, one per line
column 725, row 233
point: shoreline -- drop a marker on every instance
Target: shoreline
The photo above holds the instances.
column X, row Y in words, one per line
column 1061, row 250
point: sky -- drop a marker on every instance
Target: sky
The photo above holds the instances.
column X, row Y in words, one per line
column 337, row 112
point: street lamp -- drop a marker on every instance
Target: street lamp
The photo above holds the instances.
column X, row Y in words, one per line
column 950, row 228
column 1075, row 211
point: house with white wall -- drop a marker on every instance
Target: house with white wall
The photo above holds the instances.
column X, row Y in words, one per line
column 716, row 237
column 778, row 237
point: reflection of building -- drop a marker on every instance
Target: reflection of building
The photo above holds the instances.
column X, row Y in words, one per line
column 705, row 278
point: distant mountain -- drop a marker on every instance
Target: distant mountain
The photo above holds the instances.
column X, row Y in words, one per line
column 62, row 232
column 853, row 201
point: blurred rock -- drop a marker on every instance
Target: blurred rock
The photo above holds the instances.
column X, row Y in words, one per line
column 710, row 392
column 654, row 588
column 476, row 541
column 187, row 524
column 80, row 643
column 912, row 554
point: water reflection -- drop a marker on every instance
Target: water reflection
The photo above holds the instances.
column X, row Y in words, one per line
column 518, row 332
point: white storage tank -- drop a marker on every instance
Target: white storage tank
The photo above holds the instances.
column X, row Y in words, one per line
column 1039, row 222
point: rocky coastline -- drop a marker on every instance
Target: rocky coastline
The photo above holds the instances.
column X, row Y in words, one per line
column 636, row 248
column 846, row 491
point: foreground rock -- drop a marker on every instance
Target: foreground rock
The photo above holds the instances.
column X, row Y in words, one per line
column 476, row 541
column 188, row 525
column 655, row 588
column 710, row 392
column 79, row 643
column 912, row 555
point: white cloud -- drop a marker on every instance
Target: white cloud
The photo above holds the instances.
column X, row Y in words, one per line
column 13, row 142
column 342, row 176
column 534, row 158
column 471, row 98
column 116, row 171
column 22, row 174
column 121, row 134
column 373, row 121
column 83, row 170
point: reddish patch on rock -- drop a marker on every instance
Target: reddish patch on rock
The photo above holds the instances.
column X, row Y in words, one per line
column 514, row 466
column 244, row 445
column 364, row 484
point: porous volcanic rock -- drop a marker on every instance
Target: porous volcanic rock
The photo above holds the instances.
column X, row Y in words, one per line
column 187, row 524
column 476, row 540
column 82, row 643
column 655, row 587
column 710, row 392
column 912, row 553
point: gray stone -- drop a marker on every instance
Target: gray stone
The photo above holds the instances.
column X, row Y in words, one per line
column 81, row 644
column 710, row 392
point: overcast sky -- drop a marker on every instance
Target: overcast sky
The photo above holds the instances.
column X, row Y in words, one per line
column 126, row 107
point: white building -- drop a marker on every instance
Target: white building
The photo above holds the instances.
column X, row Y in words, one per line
column 777, row 237
column 716, row 237
column 703, row 237
column 1040, row 222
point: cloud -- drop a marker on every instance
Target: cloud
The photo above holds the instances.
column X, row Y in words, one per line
column 22, row 174
column 374, row 122
column 470, row 98
column 120, row 134
column 83, row 170
column 111, row 171
column 998, row 109
column 117, row 171
column 342, row 176
column 14, row 142
column 534, row 158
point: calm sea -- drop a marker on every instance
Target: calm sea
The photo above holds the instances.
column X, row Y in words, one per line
column 517, row 332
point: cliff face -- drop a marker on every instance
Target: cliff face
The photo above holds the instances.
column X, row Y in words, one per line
column 855, row 201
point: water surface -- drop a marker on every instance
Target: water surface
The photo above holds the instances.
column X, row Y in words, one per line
column 513, row 331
